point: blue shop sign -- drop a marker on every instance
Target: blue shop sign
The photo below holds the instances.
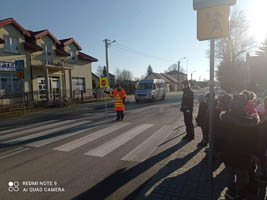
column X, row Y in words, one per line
column 18, row 65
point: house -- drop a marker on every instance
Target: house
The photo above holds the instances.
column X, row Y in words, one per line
column 182, row 76
column 95, row 81
column 160, row 76
column 37, row 63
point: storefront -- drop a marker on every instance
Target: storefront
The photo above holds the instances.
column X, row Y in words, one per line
column 11, row 78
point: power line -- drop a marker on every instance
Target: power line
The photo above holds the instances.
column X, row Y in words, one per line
column 133, row 51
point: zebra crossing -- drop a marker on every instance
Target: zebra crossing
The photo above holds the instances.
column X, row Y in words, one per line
column 40, row 135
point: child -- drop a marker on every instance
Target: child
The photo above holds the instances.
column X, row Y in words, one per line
column 201, row 117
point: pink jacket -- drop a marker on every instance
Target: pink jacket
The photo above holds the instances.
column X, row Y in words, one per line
column 250, row 108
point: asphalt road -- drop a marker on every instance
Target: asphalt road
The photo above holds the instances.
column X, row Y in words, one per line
column 77, row 154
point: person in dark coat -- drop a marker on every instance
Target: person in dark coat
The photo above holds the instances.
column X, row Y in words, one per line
column 187, row 108
column 201, row 117
column 238, row 131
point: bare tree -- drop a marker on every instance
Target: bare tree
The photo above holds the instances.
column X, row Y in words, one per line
column 124, row 75
column 174, row 67
column 262, row 49
column 231, row 52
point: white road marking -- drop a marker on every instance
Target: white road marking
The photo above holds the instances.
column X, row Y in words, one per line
column 26, row 127
column 146, row 148
column 30, row 130
column 72, row 123
column 89, row 138
column 118, row 141
column 14, row 152
column 54, row 139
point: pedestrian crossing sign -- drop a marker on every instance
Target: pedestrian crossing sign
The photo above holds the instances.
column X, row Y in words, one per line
column 213, row 23
column 103, row 82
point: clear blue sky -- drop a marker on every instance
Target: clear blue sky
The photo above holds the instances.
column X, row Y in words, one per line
column 164, row 29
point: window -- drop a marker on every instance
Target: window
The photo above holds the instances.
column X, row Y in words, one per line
column 145, row 86
column 72, row 55
column 9, row 84
column 11, row 44
column 78, row 84
column 47, row 54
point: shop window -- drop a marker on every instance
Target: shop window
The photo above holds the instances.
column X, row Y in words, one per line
column 11, row 44
column 9, row 84
column 78, row 84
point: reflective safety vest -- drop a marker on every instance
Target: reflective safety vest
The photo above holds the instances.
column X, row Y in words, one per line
column 118, row 99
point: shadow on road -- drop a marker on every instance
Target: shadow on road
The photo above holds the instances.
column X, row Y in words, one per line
column 193, row 184
column 109, row 185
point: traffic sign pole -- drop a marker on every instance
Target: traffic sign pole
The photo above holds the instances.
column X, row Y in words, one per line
column 211, row 115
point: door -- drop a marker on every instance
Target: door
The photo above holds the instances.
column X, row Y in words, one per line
column 54, row 87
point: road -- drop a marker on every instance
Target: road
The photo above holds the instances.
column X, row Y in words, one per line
column 83, row 155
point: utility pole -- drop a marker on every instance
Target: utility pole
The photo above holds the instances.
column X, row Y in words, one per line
column 107, row 44
column 178, row 75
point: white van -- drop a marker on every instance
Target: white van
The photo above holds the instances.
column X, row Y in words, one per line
column 153, row 89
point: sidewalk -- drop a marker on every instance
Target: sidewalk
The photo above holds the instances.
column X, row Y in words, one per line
column 185, row 176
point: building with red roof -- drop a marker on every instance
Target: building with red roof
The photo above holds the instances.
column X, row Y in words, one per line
column 52, row 68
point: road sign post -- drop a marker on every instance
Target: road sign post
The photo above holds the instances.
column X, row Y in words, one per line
column 212, row 23
column 104, row 84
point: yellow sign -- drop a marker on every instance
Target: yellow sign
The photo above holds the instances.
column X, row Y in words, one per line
column 104, row 82
column 213, row 23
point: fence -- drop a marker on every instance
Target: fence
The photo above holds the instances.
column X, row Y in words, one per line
column 29, row 100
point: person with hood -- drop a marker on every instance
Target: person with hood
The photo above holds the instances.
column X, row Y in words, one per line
column 187, row 109
column 250, row 107
column 238, row 133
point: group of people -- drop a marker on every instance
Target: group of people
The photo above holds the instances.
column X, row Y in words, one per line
column 240, row 136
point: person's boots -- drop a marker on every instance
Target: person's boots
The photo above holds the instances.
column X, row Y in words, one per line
column 122, row 115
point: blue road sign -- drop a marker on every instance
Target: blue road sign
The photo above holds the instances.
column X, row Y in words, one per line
column 198, row 4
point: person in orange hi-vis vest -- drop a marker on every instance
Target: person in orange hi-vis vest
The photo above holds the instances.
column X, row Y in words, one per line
column 119, row 96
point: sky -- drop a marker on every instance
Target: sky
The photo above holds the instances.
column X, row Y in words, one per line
column 147, row 32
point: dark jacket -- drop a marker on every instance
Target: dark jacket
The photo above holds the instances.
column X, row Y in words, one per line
column 202, row 111
column 238, row 133
column 187, row 100
column 261, row 144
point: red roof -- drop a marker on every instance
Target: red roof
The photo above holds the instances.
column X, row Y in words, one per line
column 68, row 41
column 32, row 47
column 83, row 56
column 61, row 52
column 42, row 33
column 16, row 24
column 2, row 41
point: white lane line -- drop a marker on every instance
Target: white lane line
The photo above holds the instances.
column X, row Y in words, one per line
column 34, row 130
column 10, row 151
column 14, row 153
column 71, row 123
column 146, row 148
column 89, row 138
column 118, row 141
column 52, row 140
column 26, row 127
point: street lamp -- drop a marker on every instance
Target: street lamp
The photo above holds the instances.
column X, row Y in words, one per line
column 178, row 72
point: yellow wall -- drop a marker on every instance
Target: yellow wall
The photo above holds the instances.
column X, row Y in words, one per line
column 11, row 30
